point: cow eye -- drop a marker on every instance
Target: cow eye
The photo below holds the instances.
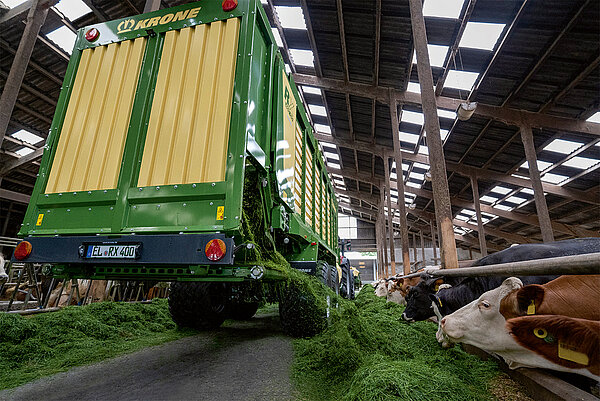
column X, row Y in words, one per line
column 485, row 304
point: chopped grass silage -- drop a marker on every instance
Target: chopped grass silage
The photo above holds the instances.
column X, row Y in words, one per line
column 44, row 344
column 370, row 354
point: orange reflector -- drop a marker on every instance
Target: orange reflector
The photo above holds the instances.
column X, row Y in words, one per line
column 229, row 5
column 313, row 243
column 215, row 250
column 23, row 250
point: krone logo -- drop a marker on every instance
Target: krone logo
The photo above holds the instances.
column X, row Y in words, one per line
column 125, row 26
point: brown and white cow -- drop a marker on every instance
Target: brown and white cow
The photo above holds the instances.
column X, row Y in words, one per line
column 569, row 342
column 566, row 295
column 481, row 324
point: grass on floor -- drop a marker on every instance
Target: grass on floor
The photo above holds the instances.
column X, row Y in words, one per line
column 41, row 345
column 370, row 354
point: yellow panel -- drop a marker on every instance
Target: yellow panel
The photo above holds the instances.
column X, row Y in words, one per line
column 318, row 203
column 309, row 184
column 298, row 171
column 90, row 148
column 188, row 131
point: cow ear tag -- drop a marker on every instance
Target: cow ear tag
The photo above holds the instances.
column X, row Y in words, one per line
column 540, row 333
column 439, row 302
column 531, row 308
column 437, row 288
column 568, row 352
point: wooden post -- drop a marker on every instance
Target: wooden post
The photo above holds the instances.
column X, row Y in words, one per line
column 388, row 187
column 35, row 20
column 439, row 180
column 422, row 248
column 383, row 229
column 470, row 253
column 415, row 257
column 379, row 247
column 151, row 5
column 433, row 246
column 536, row 184
column 480, row 229
column 400, row 184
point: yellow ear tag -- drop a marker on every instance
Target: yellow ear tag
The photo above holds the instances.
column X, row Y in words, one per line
column 540, row 333
column 568, row 352
column 437, row 288
column 440, row 302
column 531, row 308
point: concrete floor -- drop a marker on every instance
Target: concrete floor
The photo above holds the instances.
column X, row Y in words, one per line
column 240, row 361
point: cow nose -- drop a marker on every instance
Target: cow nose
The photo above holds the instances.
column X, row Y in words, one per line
column 443, row 322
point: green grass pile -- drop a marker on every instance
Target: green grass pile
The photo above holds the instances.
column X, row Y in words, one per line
column 40, row 345
column 370, row 354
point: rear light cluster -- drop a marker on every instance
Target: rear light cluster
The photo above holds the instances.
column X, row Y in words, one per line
column 215, row 250
column 92, row 34
column 229, row 5
column 23, row 250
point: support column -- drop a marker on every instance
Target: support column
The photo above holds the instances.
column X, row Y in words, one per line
column 400, row 184
column 433, row 246
column 388, row 186
column 439, row 180
column 480, row 229
column 383, row 230
column 536, row 184
column 471, row 253
column 422, row 247
column 379, row 248
column 35, row 20
column 415, row 257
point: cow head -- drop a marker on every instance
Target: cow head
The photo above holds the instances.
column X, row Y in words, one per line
column 381, row 288
column 478, row 322
column 3, row 275
column 418, row 303
column 522, row 300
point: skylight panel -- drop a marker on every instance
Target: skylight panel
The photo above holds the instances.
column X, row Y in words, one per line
column 323, row 128
column 330, row 155
column 405, row 166
column 317, row 110
column 462, row 217
column 302, row 57
column 595, row 118
column 13, row 3
column 412, row 117
column 500, row 190
column 64, row 38
column 563, row 146
column 446, row 114
column 527, row 191
column 554, row 178
column 413, row 184
column 542, row 165
column 27, row 136
column 423, row 150
column 421, row 166
column 437, row 55
column 312, row 90
column 291, row 17
column 460, row 79
column 444, row 134
column 487, row 199
column 414, row 87
column 442, row 8
column 468, row 212
column 277, row 37
column 24, row 151
column 73, row 9
column 503, row 207
column 410, row 138
column 488, row 215
column 288, row 70
column 417, row 176
column 582, row 163
column 481, row 35
column 515, row 199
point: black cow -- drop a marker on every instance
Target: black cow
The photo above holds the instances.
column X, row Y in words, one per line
column 465, row 289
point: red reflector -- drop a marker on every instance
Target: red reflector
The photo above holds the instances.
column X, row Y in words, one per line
column 215, row 250
column 92, row 34
column 23, row 250
column 229, row 5
column 313, row 243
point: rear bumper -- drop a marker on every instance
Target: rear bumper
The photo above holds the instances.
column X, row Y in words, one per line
column 168, row 249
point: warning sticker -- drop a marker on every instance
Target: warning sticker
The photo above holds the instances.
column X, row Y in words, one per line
column 39, row 219
column 220, row 212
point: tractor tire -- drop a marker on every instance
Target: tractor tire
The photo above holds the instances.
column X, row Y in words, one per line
column 242, row 310
column 300, row 317
column 334, row 282
column 345, row 285
column 323, row 273
column 198, row 305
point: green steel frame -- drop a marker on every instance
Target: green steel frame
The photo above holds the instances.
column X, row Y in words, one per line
column 258, row 82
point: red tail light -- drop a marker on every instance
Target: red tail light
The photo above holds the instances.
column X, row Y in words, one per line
column 215, row 250
column 229, row 5
column 23, row 250
column 92, row 34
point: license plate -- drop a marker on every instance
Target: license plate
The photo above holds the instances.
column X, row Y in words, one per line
column 112, row 251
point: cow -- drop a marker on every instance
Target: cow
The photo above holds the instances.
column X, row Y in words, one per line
column 481, row 324
column 464, row 290
column 3, row 275
column 568, row 342
column 566, row 295
column 388, row 288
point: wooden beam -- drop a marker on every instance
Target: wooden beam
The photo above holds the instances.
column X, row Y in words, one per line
column 21, row 161
column 536, row 183
column 19, row 10
column 480, row 230
column 387, row 188
column 507, row 115
column 14, row 196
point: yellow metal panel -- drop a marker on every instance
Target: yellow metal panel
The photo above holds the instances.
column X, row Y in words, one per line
column 298, row 171
column 309, row 185
column 90, row 148
column 318, row 203
column 188, row 131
